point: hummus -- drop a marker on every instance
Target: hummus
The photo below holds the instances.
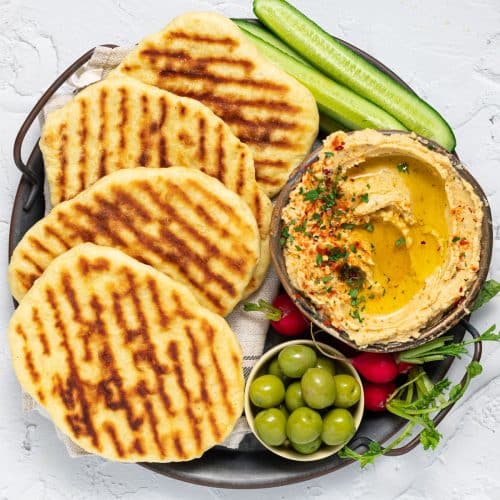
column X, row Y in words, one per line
column 382, row 235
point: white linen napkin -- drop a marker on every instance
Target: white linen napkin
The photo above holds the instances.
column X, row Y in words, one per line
column 250, row 328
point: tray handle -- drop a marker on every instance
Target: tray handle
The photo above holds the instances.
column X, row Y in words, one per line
column 364, row 441
column 32, row 178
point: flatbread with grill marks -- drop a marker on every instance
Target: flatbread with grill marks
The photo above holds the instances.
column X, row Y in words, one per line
column 125, row 360
column 204, row 56
column 122, row 123
column 179, row 220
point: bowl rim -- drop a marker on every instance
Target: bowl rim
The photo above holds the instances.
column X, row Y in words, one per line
column 290, row 454
column 441, row 323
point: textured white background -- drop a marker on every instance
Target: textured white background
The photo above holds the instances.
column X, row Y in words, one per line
column 448, row 50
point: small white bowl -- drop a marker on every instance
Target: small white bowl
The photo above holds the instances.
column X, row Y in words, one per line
column 342, row 367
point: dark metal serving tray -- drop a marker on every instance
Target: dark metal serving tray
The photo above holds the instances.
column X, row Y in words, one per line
column 251, row 466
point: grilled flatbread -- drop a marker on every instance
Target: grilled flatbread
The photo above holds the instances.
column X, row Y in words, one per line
column 125, row 360
column 123, row 123
column 205, row 56
column 178, row 220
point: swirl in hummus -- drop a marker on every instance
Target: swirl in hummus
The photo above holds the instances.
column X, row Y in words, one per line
column 382, row 235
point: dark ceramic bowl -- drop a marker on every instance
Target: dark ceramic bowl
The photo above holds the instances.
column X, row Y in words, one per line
column 440, row 324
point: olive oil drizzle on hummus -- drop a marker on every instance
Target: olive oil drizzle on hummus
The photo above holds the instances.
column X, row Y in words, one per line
column 405, row 250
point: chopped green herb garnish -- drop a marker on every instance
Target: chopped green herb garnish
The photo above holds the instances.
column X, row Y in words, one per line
column 400, row 241
column 285, row 235
column 328, row 154
column 355, row 314
column 300, row 228
column 353, row 248
column 326, row 279
column 456, row 238
column 403, row 167
column 336, row 254
column 298, row 248
column 369, row 227
column 347, row 226
column 312, row 195
column 364, row 198
column 319, row 259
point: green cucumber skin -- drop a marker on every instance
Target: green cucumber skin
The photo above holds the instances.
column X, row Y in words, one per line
column 326, row 124
column 334, row 100
column 350, row 69
column 260, row 32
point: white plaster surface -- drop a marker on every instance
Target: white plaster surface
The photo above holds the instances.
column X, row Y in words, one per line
column 448, row 50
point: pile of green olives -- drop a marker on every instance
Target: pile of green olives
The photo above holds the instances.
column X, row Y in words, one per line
column 302, row 402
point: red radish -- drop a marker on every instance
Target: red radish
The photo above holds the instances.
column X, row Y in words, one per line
column 376, row 395
column 376, row 367
column 285, row 317
column 404, row 368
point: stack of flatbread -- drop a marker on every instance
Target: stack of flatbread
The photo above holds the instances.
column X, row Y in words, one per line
column 160, row 177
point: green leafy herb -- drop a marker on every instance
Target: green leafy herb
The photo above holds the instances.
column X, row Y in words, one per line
column 319, row 259
column 272, row 313
column 285, row 235
column 311, row 195
column 336, row 254
column 455, row 239
column 374, row 450
column 300, row 228
column 400, row 241
column 403, row 167
column 416, row 401
column 369, row 227
column 328, row 154
column 489, row 289
column 364, row 197
column 347, row 226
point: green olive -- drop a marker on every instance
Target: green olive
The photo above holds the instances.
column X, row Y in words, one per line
column 270, row 426
column 267, row 391
column 326, row 364
column 274, row 369
column 348, row 391
column 338, row 427
column 303, row 425
column 307, row 448
column 293, row 396
column 318, row 388
column 294, row 360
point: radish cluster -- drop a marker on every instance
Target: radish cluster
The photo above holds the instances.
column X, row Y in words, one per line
column 379, row 372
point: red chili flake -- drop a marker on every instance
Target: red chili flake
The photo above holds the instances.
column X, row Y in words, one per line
column 327, row 171
column 461, row 289
column 473, row 268
column 337, row 144
column 422, row 242
column 463, row 242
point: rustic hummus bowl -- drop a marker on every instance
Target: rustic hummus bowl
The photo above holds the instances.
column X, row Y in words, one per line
column 368, row 201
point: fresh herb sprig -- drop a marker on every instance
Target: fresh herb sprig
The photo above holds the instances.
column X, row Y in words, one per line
column 415, row 401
